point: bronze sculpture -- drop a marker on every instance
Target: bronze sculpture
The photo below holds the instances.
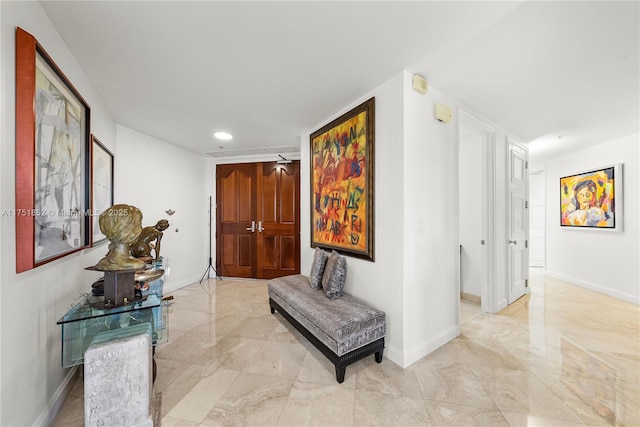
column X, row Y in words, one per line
column 149, row 238
column 121, row 224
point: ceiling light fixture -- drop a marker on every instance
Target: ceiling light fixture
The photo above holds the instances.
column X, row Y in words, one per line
column 223, row 135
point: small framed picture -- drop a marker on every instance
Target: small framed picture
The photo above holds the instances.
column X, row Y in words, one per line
column 101, row 186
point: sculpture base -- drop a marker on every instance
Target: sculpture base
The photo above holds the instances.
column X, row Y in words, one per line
column 118, row 378
column 119, row 287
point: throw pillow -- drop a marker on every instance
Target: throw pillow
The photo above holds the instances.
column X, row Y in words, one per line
column 317, row 268
column 334, row 276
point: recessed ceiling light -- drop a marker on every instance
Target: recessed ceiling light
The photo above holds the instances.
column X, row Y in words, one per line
column 223, row 135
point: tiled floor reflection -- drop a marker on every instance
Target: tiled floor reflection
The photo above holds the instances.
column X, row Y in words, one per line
column 468, row 310
column 561, row 356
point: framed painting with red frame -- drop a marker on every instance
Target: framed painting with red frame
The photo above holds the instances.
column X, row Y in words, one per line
column 52, row 159
column 342, row 183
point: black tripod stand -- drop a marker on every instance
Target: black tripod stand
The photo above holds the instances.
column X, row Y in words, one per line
column 210, row 267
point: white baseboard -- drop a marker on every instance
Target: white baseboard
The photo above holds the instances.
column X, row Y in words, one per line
column 634, row 299
column 393, row 355
column 470, row 297
column 46, row 418
column 426, row 347
column 174, row 286
column 502, row 304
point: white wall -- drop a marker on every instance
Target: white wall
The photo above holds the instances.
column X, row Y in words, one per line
column 431, row 250
column 1, row 135
column 414, row 278
column 470, row 206
column 33, row 301
column 149, row 173
column 156, row 176
column 380, row 283
column 602, row 260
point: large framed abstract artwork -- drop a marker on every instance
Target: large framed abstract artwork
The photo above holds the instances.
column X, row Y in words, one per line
column 52, row 159
column 592, row 199
column 101, row 186
column 342, row 183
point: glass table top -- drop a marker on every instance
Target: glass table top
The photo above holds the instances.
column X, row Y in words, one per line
column 93, row 306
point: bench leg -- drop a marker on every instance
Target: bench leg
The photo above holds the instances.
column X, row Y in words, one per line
column 273, row 310
column 340, row 373
column 379, row 356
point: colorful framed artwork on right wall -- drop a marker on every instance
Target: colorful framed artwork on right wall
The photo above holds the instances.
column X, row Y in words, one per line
column 592, row 199
column 342, row 183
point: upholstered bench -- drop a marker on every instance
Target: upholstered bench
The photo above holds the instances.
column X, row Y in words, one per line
column 344, row 329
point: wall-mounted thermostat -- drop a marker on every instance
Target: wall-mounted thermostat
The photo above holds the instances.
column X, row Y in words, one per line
column 443, row 113
column 420, row 84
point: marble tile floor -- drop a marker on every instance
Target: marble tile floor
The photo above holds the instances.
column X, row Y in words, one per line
column 559, row 356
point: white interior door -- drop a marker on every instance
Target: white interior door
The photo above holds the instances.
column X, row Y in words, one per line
column 518, row 217
column 536, row 219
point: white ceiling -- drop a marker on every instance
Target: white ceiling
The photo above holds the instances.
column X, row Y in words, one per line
column 268, row 71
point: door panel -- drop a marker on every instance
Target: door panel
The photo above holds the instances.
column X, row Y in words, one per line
column 235, row 242
column 268, row 198
column 278, row 239
column 245, row 251
column 288, row 253
column 518, row 221
column 288, row 198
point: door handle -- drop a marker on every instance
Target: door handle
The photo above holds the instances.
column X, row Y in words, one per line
column 260, row 227
column 252, row 228
column 513, row 242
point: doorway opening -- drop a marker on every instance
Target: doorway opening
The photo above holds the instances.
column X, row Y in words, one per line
column 476, row 228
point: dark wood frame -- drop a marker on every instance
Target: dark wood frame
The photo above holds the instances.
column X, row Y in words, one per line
column 97, row 210
column 27, row 49
column 317, row 155
column 340, row 362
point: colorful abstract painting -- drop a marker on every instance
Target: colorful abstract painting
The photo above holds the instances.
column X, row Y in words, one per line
column 342, row 162
column 589, row 199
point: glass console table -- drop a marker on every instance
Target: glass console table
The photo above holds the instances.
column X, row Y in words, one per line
column 88, row 322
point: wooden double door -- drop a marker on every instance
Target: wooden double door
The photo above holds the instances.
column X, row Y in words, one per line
column 258, row 220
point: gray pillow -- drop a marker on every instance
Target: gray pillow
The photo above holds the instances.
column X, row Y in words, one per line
column 334, row 275
column 317, row 268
